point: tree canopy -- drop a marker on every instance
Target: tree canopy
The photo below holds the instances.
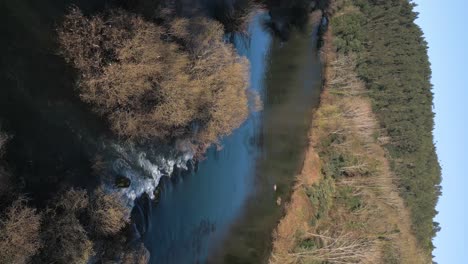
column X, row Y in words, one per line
column 393, row 62
column 178, row 79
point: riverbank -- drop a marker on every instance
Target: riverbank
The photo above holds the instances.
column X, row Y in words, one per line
column 345, row 207
column 225, row 213
column 202, row 213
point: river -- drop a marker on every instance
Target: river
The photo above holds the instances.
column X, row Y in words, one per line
column 226, row 210
column 222, row 209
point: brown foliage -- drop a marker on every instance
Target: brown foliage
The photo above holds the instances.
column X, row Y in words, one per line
column 108, row 213
column 76, row 221
column 19, row 233
column 140, row 255
column 178, row 81
column 72, row 201
column 66, row 240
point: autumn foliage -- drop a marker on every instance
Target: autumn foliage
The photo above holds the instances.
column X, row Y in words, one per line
column 19, row 233
column 108, row 213
column 77, row 224
column 170, row 81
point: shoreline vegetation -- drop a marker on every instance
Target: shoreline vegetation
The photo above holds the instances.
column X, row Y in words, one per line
column 73, row 227
column 155, row 71
column 353, row 202
column 167, row 79
column 370, row 179
column 174, row 80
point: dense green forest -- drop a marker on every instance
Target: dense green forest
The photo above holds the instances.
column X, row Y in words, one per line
column 393, row 62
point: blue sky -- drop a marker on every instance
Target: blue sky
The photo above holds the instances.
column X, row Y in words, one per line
column 445, row 26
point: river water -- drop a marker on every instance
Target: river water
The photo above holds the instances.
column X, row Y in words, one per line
column 223, row 209
column 226, row 210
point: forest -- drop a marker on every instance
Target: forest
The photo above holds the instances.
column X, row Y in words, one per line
column 392, row 60
column 371, row 179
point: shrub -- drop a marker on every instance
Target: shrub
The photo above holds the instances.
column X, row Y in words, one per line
column 139, row 255
column 321, row 197
column 67, row 241
column 349, row 33
column 391, row 254
column 19, row 233
column 348, row 197
column 108, row 213
column 151, row 81
column 72, row 201
column 76, row 221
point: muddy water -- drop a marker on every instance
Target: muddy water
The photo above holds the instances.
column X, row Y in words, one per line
column 225, row 211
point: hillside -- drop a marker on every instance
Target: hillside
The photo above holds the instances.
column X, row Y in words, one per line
column 393, row 63
column 370, row 182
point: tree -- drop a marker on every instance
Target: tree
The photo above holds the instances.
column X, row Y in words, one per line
column 138, row 255
column 392, row 61
column 108, row 213
column 72, row 201
column 67, row 239
column 19, row 233
column 171, row 81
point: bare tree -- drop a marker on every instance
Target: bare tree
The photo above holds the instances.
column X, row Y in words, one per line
column 19, row 233
column 66, row 240
column 108, row 213
column 175, row 81
column 139, row 255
